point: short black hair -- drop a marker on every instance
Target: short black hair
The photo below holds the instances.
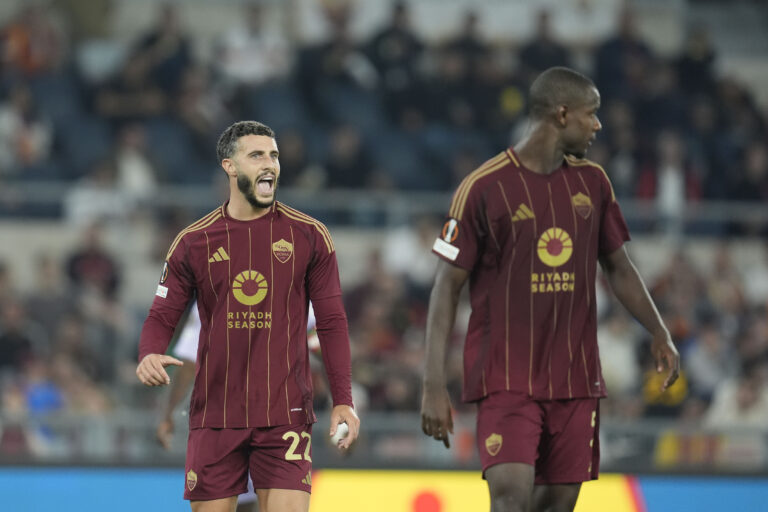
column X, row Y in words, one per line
column 557, row 86
column 227, row 144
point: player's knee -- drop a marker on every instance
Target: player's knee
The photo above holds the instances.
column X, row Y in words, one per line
column 509, row 503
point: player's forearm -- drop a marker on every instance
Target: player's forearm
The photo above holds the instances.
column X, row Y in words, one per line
column 156, row 334
column 333, row 334
column 441, row 316
column 634, row 296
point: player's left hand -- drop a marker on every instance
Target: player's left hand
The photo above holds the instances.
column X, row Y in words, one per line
column 345, row 414
column 666, row 356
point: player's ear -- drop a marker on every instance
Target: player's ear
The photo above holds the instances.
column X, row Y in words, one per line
column 229, row 167
column 561, row 114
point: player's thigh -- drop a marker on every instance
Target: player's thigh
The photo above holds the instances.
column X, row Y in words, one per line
column 555, row 498
column 219, row 505
column 283, row 500
column 509, row 427
column 569, row 452
column 510, row 486
column 281, row 458
column 217, row 464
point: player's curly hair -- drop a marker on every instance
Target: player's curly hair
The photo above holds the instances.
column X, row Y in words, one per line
column 227, row 144
column 557, row 86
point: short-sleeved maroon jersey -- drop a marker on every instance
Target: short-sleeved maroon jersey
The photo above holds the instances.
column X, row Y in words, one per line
column 253, row 281
column 531, row 243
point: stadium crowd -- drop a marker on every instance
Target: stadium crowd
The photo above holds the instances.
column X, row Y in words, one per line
column 390, row 112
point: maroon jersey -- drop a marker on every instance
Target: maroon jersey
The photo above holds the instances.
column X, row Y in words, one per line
column 531, row 242
column 253, row 281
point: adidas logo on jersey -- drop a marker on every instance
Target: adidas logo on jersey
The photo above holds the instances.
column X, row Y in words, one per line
column 220, row 255
column 307, row 479
column 522, row 213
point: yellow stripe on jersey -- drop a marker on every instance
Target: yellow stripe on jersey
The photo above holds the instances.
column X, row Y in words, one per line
column 306, row 219
column 581, row 162
column 460, row 197
column 195, row 226
column 512, row 157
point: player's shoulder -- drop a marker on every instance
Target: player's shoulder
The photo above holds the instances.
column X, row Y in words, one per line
column 477, row 179
column 592, row 168
column 203, row 222
column 305, row 222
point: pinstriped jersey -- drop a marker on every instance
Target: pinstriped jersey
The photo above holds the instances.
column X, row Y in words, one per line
column 531, row 243
column 253, row 281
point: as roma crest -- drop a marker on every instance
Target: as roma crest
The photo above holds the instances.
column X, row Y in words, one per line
column 493, row 444
column 282, row 250
column 582, row 204
column 191, row 480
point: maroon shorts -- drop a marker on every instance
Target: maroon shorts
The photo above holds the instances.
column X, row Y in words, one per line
column 558, row 437
column 219, row 460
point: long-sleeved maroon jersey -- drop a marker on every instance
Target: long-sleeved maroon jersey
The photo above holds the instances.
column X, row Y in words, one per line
column 531, row 243
column 253, row 281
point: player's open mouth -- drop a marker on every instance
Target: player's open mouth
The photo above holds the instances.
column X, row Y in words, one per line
column 265, row 184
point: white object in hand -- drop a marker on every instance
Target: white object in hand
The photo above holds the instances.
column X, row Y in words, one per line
column 342, row 431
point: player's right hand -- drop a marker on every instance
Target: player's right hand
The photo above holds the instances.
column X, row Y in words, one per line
column 436, row 417
column 164, row 433
column 151, row 369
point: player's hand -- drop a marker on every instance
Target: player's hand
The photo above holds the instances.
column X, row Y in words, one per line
column 345, row 414
column 151, row 369
column 164, row 433
column 666, row 356
column 436, row 417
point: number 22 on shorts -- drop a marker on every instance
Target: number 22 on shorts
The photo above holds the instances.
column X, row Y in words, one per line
column 290, row 453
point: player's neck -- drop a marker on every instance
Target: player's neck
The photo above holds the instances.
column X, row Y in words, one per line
column 240, row 209
column 539, row 150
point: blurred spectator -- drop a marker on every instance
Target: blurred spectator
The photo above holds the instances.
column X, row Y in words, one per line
column 20, row 338
column 695, row 65
column 165, row 50
column 619, row 347
column 25, row 135
column 49, row 301
column 202, row 110
column 709, row 361
column 96, row 197
column 621, row 62
column 132, row 95
column 407, row 252
column 296, row 167
column 543, row 51
column 252, row 52
column 349, row 164
column 33, row 43
column 670, row 182
column 741, row 402
column 395, row 51
column 91, row 267
column 137, row 175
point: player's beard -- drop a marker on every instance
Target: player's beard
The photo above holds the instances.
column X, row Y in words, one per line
column 246, row 187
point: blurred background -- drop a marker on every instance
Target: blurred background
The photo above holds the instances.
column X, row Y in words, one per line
column 109, row 114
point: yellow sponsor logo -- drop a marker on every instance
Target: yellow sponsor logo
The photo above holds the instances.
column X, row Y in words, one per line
column 493, row 444
column 555, row 247
column 542, row 282
column 249, row 320
column 282, row 249
column 249, row 287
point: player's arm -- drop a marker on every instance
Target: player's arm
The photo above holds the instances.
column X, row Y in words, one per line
column 436, row 420
column 324, row 289
column 632, row 293
column 173, row 293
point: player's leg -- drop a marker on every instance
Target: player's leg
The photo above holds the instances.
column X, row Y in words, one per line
column 279, row 500
column 250, row 506
column 509, row 427
column 555, row 498
column 220, row 505
column 569, row 454
column 281, row 467
column 510, row 486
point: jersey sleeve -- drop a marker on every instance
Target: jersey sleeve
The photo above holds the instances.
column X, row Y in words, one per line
column 613, row 228
column 461, row 236
column 324, row 290
column 186, row 345
column 174, row 291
